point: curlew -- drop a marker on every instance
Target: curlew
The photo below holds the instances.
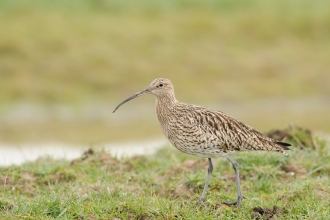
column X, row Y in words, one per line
column 205, row 132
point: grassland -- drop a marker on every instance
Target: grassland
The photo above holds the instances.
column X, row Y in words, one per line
column 166, row 185
column 72, row 54
column 78, row 53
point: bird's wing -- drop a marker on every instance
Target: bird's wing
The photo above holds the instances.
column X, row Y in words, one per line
column 231, row 134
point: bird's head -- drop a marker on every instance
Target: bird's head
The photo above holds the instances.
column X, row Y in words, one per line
column 160, row 87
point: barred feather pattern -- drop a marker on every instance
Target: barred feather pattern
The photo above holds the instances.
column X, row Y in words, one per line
column 206, row 132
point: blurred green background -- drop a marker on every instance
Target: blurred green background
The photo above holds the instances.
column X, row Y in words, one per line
column 65, row 65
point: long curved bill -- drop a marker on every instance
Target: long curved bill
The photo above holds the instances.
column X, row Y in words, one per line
column 146, row 91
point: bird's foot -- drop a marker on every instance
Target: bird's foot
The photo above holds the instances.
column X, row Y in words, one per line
column 236, row 202
column 201, row 200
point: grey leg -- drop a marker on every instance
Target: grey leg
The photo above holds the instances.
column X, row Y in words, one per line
column 239, row 192
column 207, row 181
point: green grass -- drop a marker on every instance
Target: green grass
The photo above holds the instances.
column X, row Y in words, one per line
column 166, row 186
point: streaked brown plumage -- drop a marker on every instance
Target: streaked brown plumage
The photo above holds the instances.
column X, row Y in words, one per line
column 205, row 132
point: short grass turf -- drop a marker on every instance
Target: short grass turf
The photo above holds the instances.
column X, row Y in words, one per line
column 168, row 184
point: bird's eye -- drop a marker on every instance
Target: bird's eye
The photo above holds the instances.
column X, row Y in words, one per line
column 160, row 85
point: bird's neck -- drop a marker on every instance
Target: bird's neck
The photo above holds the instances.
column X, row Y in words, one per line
column 165, row 102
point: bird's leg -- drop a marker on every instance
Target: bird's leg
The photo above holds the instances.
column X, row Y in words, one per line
column 207, row 181
column 239, row 192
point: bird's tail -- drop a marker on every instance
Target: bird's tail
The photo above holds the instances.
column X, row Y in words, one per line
column 284, row 146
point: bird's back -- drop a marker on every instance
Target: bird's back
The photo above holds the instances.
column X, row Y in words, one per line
column 205, row 132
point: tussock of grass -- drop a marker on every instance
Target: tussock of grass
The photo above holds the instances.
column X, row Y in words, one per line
column 167, row 185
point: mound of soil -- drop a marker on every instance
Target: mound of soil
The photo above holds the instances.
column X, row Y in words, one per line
column 298, row 136
column 266, row 213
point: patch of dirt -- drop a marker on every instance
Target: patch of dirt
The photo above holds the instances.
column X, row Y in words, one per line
column 299, row 136
column 162, row 179
column 192, row 165
column 86, row 217
column 143, row 217
column 106, row 158
column 133, row 189
column 28, row 177
column 86, row 190
column 321, row 191
column 137, row 161
column 267, row 213
column 24, row 184
column 231, row 177
column 102, row 159
column 6, row 181
column 181, row 190
column 87, row 154
column 91, row 217
column 59, row 177
column 294, row 169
